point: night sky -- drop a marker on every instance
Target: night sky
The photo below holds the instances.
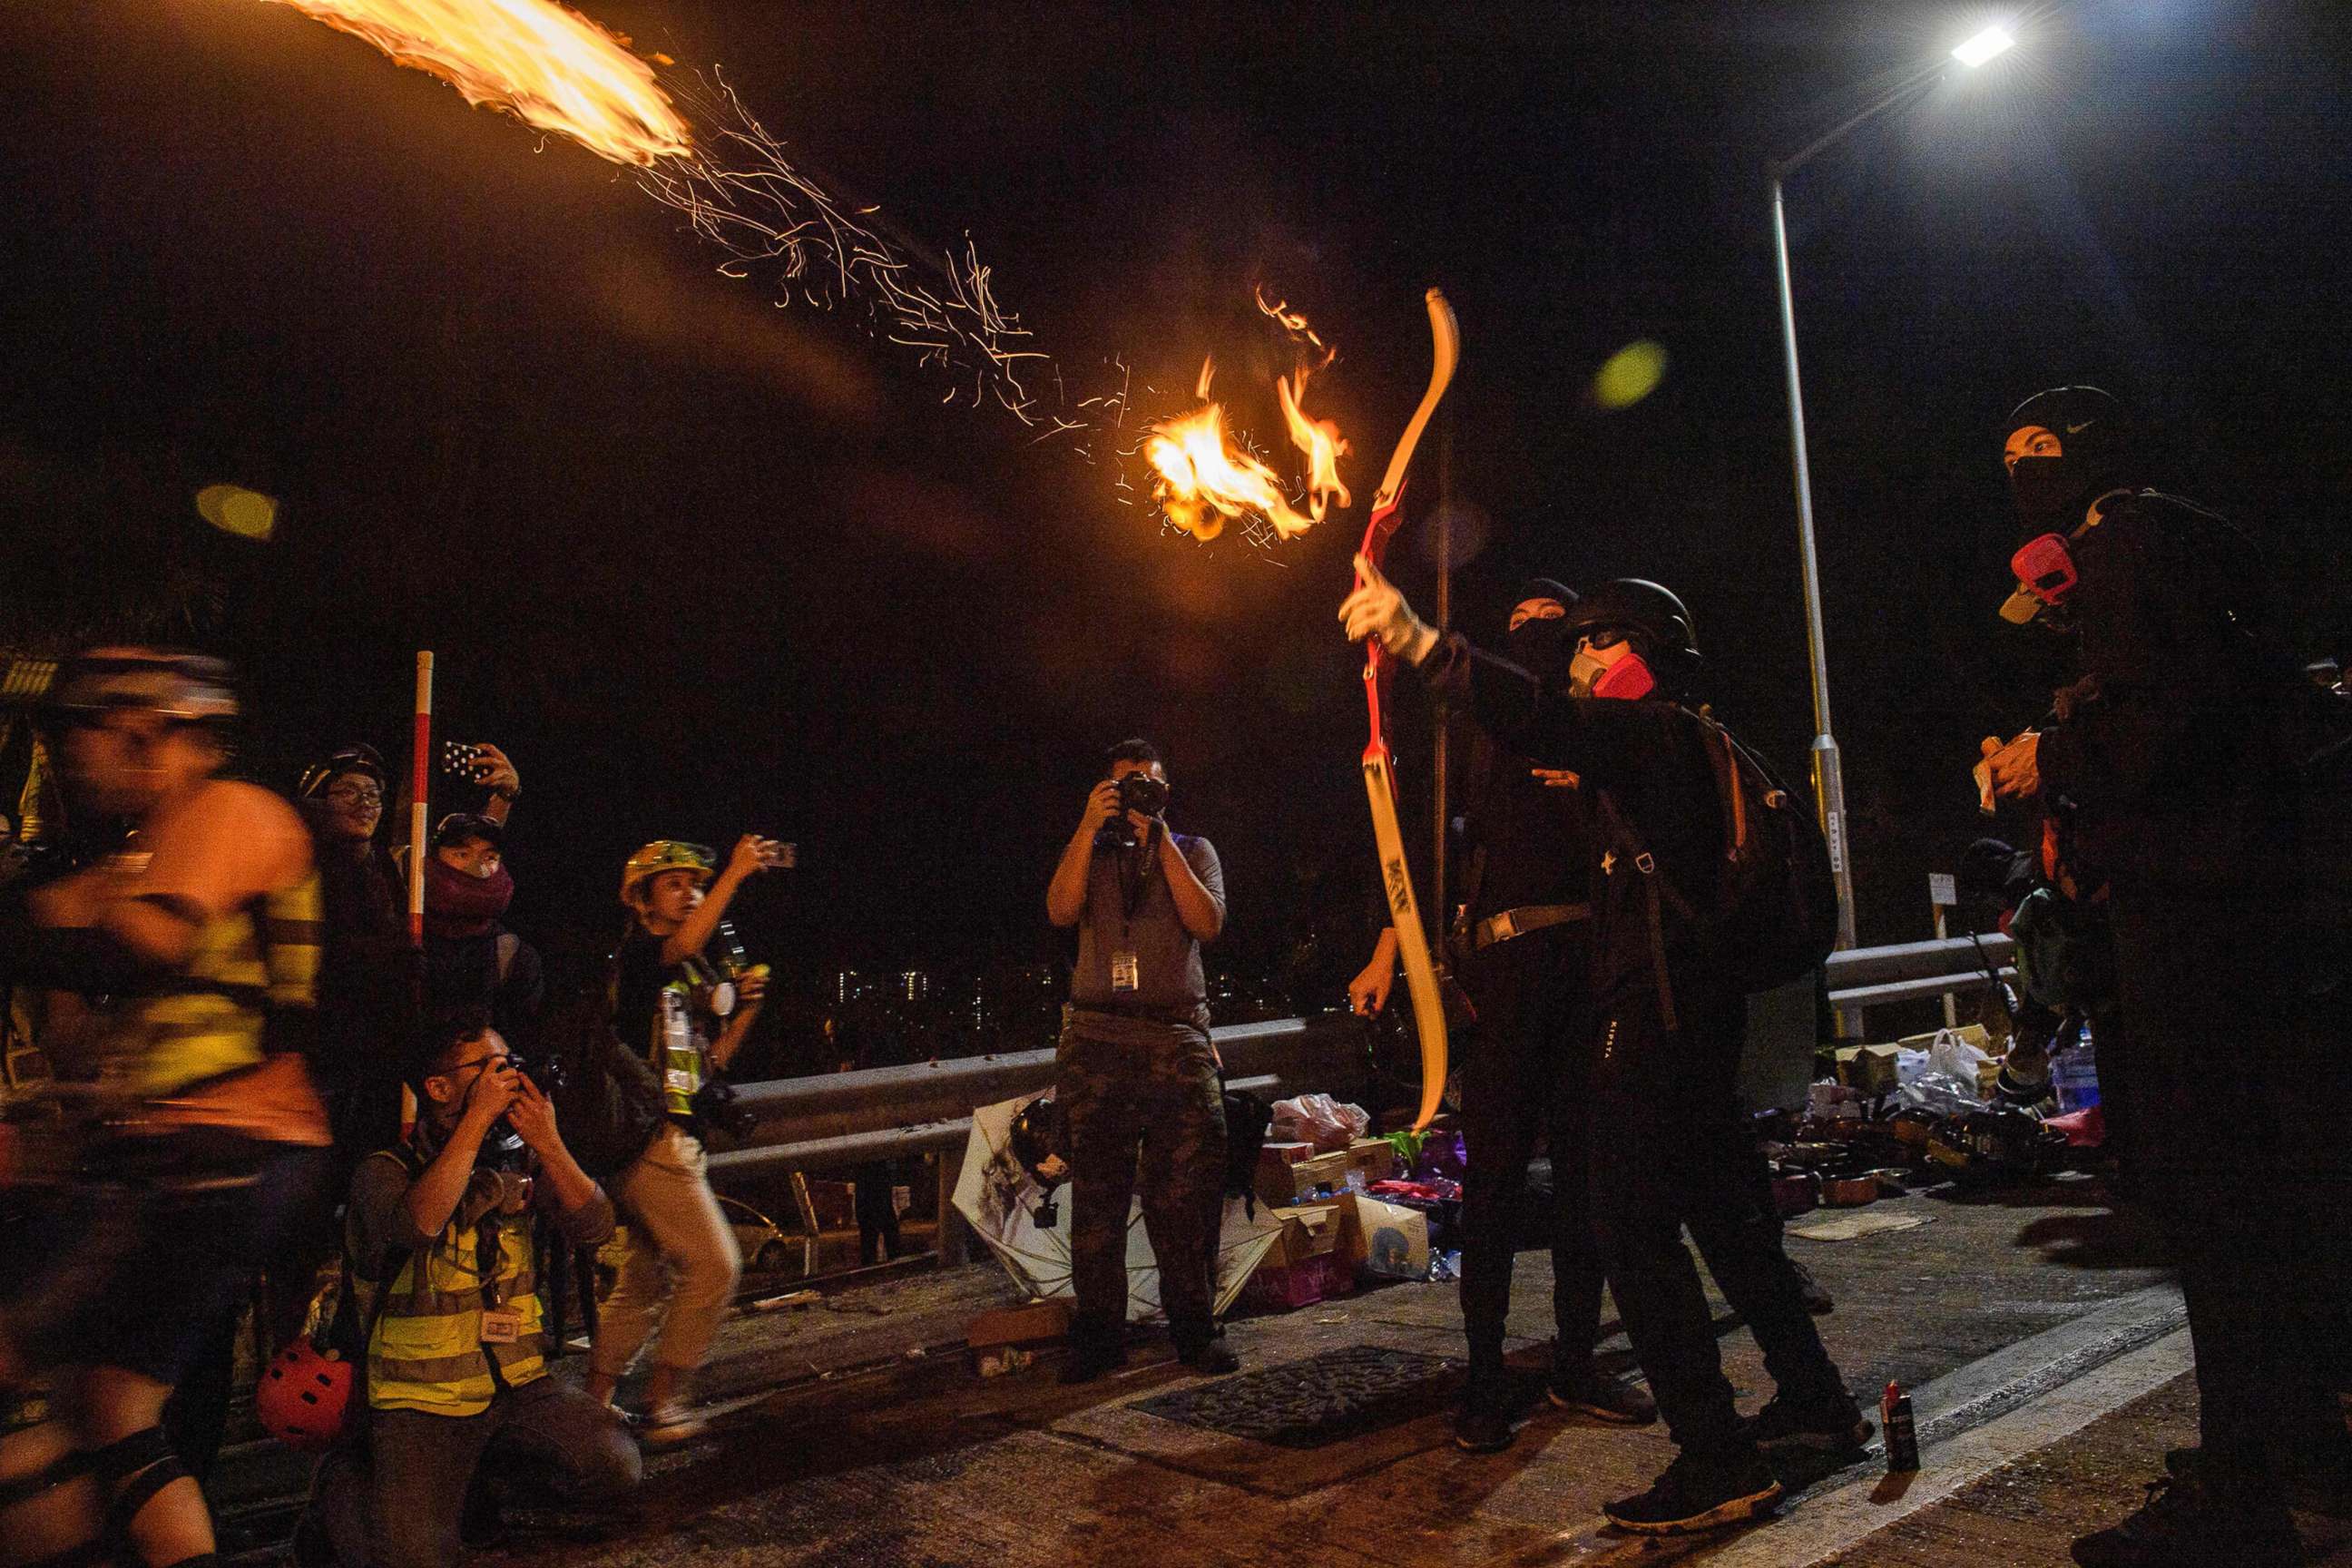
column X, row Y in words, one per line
column 702, row 565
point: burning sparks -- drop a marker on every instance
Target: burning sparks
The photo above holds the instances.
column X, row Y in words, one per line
column 542, row 63
column 743, row 194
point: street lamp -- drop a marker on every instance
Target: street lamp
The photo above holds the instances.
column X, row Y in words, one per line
column 1828, row 777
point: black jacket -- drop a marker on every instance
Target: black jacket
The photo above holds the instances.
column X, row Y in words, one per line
column 2172, row 761
column 1653, row 792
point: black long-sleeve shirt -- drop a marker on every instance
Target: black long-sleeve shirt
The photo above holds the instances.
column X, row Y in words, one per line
column 1647, row 763
column 2170, row 757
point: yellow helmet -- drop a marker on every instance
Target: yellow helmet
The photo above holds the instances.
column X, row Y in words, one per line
column 666, row 855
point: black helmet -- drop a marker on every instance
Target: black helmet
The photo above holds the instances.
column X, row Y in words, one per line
column 349, row 760
column 1652, row 613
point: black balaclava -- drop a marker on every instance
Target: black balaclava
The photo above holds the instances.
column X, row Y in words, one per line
column 1544, row 648
column 2099, row 451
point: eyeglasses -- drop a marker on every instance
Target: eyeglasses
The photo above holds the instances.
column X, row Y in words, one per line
column 356, row 793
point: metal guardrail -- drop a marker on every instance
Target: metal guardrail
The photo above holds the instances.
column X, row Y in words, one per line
column 887, row 1114
column 1912, row 971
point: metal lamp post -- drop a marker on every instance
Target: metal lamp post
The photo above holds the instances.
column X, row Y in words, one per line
column 1829, row 776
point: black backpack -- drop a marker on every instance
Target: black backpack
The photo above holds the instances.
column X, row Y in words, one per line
column 1776, row 917
column 1775, row 913
column 610, row 1106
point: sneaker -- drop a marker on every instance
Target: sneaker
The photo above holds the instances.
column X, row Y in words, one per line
column 1211, row 1359
column 1696, row 1494
column 1822, row 1427
column 2321, row 1486
column 1808, row 1290
column 1089, row 1359
column 1586, row 1392
column 2180, row 1527
column 1482, row 1425
column 669, row 1424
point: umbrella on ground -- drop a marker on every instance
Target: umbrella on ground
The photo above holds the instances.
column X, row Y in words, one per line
column 1000, row 1199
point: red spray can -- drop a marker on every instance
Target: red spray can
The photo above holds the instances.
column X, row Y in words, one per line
column 1895, row 1419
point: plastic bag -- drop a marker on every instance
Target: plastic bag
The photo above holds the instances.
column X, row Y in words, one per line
column 1319, row 1120
column 1954, row 1057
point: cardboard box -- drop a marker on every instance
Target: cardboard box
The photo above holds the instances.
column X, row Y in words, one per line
column 1283, row 1288
column 1030, row 1324
column 1389, row 1239
column 1285, row 1153
column 1281, row 1186
column 1311, row 1230
column 1870, row 1068
column 1376, row 1158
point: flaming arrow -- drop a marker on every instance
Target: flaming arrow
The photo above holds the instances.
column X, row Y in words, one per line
column 1379, row 767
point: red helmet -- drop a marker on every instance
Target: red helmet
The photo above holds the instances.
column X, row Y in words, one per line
column 304, row 1396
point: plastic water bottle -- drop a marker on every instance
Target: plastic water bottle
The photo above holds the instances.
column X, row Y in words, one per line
column 2074, row 1076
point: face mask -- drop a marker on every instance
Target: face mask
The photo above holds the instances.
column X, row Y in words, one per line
column 1627, row 681
column 1541, row 647
column 2050, row 494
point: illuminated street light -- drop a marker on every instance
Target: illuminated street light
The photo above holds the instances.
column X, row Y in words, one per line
column 1828, row 774
column 1983, row 46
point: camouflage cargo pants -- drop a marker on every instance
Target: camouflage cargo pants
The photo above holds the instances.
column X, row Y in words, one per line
column 1152, row 1109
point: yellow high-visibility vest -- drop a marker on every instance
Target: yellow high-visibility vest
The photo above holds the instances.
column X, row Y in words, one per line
column 427, row 1352
column 209, row 1019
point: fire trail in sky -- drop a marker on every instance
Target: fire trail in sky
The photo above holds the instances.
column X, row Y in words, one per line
column 553, row 68
column 716, row 164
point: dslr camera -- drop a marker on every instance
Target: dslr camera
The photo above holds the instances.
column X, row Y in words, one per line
column 1136, row 791
column 1139, row 792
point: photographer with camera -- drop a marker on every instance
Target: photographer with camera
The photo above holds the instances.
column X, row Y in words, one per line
column 687, row 1014
column 1135, row 1071
column 440, row 1244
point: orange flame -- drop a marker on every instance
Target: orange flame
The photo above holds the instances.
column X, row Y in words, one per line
column 1320, row 441
column 544, row 63
column 1206, row 480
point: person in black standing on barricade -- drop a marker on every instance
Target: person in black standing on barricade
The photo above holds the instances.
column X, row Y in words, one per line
column 2178, row 767
column 1136, row 1071
column 1668, row 1147
column 1525, row 957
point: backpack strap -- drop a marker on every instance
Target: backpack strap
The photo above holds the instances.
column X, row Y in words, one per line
column 1656, row 890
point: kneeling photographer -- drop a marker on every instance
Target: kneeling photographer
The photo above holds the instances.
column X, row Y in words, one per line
column 1135, row 1072
column 686, row 1016
column 440, row 1233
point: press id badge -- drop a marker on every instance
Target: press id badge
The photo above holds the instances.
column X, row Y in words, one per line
column 501, row 1325
column 1126, row 974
